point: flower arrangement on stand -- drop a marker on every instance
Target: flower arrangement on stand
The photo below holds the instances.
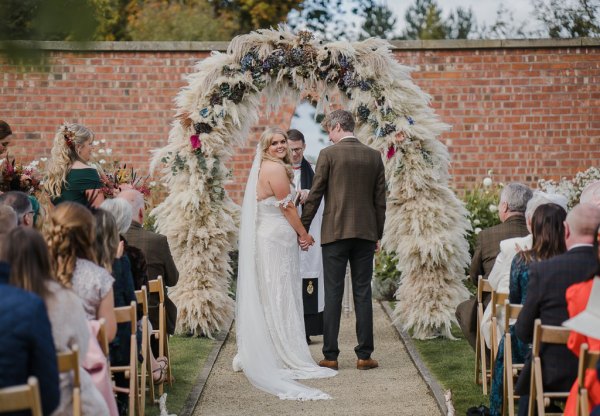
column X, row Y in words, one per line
column 571, row 188
column 482, row 205
column 15, row 176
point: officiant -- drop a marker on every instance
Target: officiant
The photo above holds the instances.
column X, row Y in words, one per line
column 311, row 262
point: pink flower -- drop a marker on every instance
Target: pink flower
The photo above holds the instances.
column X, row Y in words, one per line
column 195, row 141
column 391, row 151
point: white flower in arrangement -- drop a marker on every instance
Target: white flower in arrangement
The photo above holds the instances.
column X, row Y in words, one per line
column 102, row 161
column 103, row 141
column 94, row 154
column 487, row 182
column 477, row 230
column 153, row 184
column 490, row 172
column 476, row 222
column 493, row 208
column 43, row 159
column 101, row 151
column 33, row 164
column 109, row 151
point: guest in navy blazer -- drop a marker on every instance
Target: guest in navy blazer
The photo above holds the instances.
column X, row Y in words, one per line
column 26, row 342
column 548, row 283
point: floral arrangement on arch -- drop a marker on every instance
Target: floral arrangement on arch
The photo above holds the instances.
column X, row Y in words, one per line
column 571, row 188
column 15, row 176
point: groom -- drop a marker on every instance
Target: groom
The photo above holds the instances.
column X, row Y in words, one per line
column 350, row 175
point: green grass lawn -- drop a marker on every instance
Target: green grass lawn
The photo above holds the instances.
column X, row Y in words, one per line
column 452, row 363
column 188, row 355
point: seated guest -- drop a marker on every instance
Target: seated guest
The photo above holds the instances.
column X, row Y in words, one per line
column 26, row 342
column 547, row 229
column 546, row 290
column 158, row 255
column 511, row 210
column 8, row 219
column 70, row 235
column 70, row 177
column 499, row 277
column 30, row 270
column 585, row 329
column 122, row 212
column 19, row 201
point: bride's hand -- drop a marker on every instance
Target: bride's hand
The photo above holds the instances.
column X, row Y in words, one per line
column 306, row 241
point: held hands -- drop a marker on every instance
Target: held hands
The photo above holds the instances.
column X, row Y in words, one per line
column 303, row 195
column 306, row 241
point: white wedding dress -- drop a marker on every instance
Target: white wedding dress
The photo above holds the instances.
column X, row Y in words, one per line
column 271, row 341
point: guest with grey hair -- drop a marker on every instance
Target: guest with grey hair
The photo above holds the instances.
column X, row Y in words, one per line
column 121, row 210
column 511, row 210
column 8, row 221
column 21, row 204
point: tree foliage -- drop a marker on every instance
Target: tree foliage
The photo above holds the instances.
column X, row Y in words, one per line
column 504, row 27
column 325, row 18
column 424, row 20
column 178, row 21
column 379, row 22
column 579, row 18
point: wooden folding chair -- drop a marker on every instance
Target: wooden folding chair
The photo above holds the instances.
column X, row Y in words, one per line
column 23, row 397
column 69, row 362
column 101, row 337
column 587, row 361
column 496, row 302
column 160, row 333
column 482, row 374
column 146, row 366
column 511, row 370
column 127, row 314
column 549, row 335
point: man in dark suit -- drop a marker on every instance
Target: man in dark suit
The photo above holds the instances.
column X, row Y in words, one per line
column 546, row 289
column 511, row 210
column 158, row 257
column 351, row 177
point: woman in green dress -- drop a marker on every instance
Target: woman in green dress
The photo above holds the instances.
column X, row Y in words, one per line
column 70, row 178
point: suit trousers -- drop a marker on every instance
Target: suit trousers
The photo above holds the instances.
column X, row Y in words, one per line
column 336, row 256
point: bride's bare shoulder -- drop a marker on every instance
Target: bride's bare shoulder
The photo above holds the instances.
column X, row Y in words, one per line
column 270, row 167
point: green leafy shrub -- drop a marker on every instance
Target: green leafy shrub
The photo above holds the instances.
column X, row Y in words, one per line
column 482, row 204
column 386, row 276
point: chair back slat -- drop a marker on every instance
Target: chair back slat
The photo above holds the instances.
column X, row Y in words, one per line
column 23, row 397
column 511, row 311
column 126, row 314
column 156, row 286
column 69, row 361
column 497, row 299
column 142, row 299
column 483, row 286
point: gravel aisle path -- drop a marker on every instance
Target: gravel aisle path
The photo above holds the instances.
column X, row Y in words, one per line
column 395, row 388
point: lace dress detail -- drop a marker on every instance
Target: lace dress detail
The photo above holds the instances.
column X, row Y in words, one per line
column 91, row 283
column 280, row 289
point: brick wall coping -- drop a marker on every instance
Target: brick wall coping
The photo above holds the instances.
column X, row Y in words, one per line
column 222, row 46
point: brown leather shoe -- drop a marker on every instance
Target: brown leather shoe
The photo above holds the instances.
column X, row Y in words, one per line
column 366, row 364
column 333, row 364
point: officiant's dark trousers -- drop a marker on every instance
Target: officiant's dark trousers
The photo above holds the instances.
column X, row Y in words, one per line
column 336, row 256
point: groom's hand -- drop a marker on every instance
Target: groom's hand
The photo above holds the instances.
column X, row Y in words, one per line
column 306, row 242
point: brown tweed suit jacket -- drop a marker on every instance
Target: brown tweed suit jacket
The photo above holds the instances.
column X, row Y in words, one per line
column 488, row 245
column 160, row 263
column 351, row 177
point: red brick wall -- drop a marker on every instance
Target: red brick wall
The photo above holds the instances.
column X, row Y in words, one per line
column 526, row 112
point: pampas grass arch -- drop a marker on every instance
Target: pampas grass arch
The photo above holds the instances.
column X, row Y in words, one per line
column 426, row 224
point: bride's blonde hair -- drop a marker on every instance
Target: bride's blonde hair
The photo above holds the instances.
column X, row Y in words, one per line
column 64, row 154
column 265, row 142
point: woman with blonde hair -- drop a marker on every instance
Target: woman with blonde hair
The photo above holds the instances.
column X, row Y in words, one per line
column 70, row 234
column 271, row 340
column 70, row 178
column 30, row 270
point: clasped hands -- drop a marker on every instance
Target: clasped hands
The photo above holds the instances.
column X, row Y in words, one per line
column 305, row 241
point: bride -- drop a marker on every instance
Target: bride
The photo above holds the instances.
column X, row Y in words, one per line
column 271, row 342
